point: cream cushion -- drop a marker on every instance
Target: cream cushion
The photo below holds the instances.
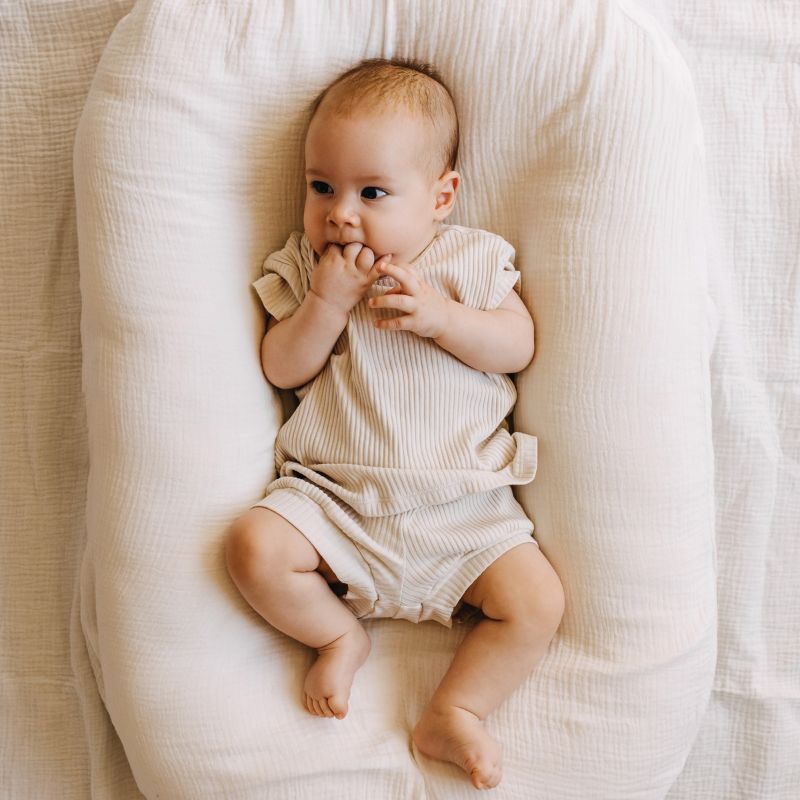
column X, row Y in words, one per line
column 580, row 146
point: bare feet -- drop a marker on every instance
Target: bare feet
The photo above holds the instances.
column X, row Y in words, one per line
column 327, row 686
column 457, row 735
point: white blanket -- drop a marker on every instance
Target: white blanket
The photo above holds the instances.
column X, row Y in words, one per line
column 187, row 167
column 744, row 57
column 153, row 662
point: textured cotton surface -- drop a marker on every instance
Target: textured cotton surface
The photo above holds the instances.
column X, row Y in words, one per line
column 48, row 54
column 749, row 95
column 581, row 147
column 742, row 56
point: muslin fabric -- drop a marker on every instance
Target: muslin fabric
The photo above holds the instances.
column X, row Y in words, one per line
column 58, row 738
column 581, row 147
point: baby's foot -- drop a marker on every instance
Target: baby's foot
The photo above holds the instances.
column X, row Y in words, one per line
column 457, row 735
column 327, row 686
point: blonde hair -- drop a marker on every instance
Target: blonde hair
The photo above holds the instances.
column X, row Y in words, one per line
column 377, row 83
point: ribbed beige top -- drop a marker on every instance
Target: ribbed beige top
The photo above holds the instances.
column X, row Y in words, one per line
column 393, row 421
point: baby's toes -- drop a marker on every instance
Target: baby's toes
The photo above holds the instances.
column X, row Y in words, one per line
column 324, row 707
column 484, row 772
column 485, row 775
column 316, row 707
column 313, row 707
column 338, row 706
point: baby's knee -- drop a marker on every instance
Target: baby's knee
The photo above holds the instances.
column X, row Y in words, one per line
column 250, row 552
column 239, row 549
column 539, row 603
column 549, row 604
column 261, row 546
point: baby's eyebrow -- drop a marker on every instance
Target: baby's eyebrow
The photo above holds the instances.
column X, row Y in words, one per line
column 363, row 179
column 373, row 179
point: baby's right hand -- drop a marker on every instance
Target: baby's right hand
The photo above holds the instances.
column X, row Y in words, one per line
column 343, row 275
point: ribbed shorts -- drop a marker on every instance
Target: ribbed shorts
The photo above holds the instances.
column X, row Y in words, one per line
column 415, row 565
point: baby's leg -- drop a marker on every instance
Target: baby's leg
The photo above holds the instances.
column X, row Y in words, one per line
column 522, row 601
column 275, row 568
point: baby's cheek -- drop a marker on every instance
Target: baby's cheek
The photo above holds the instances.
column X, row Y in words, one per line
column 383, row 245
column 315, row 233
column 318, row 244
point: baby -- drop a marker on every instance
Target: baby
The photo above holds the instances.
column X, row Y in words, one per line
column 395, row 471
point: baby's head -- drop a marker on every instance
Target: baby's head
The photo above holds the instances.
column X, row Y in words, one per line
column 380, row 155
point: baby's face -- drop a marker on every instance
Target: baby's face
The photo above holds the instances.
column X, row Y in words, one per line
column 366, row 182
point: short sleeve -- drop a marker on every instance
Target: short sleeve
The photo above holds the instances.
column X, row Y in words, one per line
column 483, row 270
column 286, row 277
column 506, row 279
column 503, row 275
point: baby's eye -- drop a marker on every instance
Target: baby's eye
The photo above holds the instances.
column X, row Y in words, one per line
column 320, row 187
column 373, row 193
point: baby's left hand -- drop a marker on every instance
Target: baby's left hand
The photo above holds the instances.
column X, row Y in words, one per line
column 425, row 311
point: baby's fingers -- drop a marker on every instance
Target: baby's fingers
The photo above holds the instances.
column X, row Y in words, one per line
column 405, row 322
column 377, row 268
column 406, row 276
column 351, row 251
column 365, row 259
column 394, row 301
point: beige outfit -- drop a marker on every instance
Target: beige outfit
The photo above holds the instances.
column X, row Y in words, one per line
column 397, row 464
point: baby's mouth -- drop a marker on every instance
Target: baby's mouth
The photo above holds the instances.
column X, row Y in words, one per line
column 342, row 243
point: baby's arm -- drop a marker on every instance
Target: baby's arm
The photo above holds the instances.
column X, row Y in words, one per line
column 500, row 340
column 294, row 350
column 497, row 340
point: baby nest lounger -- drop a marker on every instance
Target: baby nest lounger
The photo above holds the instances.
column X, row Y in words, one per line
column 581, row 146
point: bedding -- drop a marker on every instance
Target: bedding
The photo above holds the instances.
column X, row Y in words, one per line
column 52, row 724
column 594, row 716
column 591, row 167
column 745, row 62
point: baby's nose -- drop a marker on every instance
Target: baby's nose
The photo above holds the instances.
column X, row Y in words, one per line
column 343, row 213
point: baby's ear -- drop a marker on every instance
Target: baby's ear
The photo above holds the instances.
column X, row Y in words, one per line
column 446, row 188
